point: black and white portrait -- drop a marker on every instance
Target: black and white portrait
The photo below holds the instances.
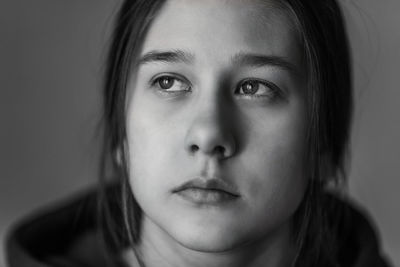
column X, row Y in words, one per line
column 187, row 133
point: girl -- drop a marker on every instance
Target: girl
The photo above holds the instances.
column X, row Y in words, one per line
column 226, row 127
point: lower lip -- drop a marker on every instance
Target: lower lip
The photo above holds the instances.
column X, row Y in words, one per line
column 206, row 196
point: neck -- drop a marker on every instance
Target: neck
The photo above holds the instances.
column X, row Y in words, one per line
column 157, row 248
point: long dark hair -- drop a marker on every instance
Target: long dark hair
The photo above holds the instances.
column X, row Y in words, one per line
column 326, row 53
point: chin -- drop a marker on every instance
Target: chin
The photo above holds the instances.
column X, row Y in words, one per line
column 209, row 244
column 209, row 239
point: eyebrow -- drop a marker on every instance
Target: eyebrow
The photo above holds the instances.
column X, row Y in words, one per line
column 258, row 60
column 174, row 56
column 241, row 58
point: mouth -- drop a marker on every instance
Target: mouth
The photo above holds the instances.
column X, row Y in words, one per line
column 209, row 191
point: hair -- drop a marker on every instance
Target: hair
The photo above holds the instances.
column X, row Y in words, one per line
column 326, row 52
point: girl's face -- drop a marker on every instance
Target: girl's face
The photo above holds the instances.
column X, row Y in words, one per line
column 216, row 124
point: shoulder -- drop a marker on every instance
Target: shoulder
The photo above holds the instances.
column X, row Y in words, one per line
column 355, row 232
column 63, row 234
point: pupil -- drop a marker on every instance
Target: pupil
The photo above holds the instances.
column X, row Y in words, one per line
column 166, row 83
column 250, row 87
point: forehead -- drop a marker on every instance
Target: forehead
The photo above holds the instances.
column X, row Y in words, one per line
column 218, row 29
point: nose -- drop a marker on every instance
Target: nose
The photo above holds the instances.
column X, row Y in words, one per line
column 211, row 133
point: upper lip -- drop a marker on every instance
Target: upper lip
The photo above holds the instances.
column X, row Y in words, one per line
column 208, row 184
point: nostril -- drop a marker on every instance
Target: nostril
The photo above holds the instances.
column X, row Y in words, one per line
column 219, row 150
column 194, row 148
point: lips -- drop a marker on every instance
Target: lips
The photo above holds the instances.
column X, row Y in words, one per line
column 207, row 191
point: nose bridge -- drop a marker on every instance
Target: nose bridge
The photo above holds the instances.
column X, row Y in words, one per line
column 211, row 129
column 211, row 110
column 213, row 105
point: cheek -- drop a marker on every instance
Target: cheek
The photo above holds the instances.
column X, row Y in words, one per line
column 274, row 161
column 279, row 179
column 153, row 146
column 144, row 149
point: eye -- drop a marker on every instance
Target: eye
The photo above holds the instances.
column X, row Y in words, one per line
column 257, row 88
column 171, row 84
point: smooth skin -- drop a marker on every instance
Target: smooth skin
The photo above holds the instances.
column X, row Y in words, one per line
column 219, row 92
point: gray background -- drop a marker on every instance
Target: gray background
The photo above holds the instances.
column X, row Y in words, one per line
column 51, row 63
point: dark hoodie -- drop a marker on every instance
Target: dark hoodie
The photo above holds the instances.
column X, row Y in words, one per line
column 67, row 236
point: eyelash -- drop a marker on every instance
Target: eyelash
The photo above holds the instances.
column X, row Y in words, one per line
column 175, row 78
column 276, row 92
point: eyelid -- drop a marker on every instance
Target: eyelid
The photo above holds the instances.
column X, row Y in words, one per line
column 170, row 74
column 272, row 86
